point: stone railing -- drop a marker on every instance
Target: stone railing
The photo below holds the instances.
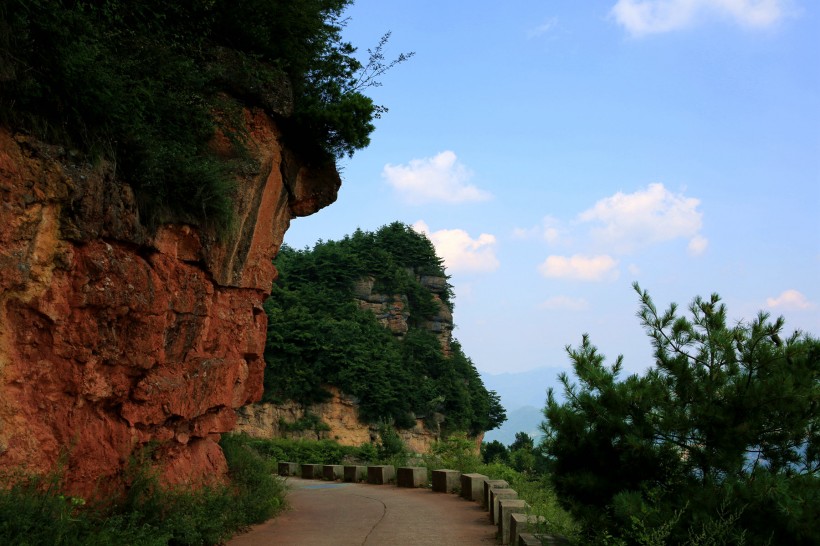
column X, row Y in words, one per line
column 505, row 510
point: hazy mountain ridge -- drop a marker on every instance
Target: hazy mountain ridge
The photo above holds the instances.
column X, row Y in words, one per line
column 523, row 395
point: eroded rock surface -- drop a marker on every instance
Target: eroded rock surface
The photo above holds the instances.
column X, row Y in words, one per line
column 111, row 337
column 339, row 413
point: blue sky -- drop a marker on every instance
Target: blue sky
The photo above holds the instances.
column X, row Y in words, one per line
column 556, row 151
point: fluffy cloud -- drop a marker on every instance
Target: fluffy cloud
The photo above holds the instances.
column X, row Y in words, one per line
column 789, row 300
column 578, row 267
column 626, row 222
column 565, row 303
column 641, row 17
column 551, row 230
column 460, row 252
column 439, row 178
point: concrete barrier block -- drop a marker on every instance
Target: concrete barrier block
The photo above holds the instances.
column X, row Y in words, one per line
column 332, row 472
column 288, row 469
column 312, row 471
column 411, row 476
column 491, row 484
column 355, row 473
column 381, row 474
column 495, row 496
column 528, row 539
column 446, row 480
column 506, row 508
column 522, row 523
column 472, row 486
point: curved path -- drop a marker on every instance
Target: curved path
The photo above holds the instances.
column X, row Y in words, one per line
column 348, row 514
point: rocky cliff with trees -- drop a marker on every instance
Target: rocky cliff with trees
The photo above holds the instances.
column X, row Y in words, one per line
column 152, row 155
column 371, row 316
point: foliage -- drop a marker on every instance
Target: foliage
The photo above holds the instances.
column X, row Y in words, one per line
column 146, row 85
column 537, row 490
column 494, row 452
column 722, row 433
column 318, row 335
column 457, row 451
column 304, row 451
column 35, row 511
column 309, row 421
column 390, row 444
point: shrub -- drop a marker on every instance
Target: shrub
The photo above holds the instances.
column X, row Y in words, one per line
column 35, row 511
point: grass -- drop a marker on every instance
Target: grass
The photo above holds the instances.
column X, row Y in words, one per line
column 34, row 510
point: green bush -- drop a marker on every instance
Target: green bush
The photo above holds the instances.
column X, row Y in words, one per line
column 34, row 511
column 304, row 451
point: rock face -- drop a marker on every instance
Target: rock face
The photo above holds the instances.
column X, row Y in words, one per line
column 111, row 337
column 339, row 413
column 392, row 311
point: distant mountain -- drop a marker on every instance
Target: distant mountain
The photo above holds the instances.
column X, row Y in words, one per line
column 524, row 419
column 523, row 395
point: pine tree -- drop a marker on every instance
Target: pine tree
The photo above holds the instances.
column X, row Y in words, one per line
column 720, row 438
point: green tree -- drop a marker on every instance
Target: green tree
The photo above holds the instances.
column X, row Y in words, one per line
column 494, row 452
column 721, row 434
column 146, row 85
column 317, row 334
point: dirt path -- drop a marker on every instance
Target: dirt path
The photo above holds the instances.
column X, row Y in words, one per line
column 347, row 514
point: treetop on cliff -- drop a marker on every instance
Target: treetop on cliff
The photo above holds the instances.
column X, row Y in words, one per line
column 139, row 84
column 319, row 335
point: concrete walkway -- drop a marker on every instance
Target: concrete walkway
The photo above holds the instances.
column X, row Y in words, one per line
column 347, row 514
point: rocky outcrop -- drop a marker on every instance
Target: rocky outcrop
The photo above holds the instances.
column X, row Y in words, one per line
column 339, row 416
column 112, row 337
column 392, row 310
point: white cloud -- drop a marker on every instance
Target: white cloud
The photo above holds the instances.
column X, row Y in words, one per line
column 634, row 270
column 566, row 303
column 439, row 178
column 578, row 267
column 459, row 251
column 789, row 300
column 697, row 245
column 626, row 222
column 641, row 17
column 551, row 230
column 543, row 28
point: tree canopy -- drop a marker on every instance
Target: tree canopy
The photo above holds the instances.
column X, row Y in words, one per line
column 717, row 443
column 317, row 334
column 146, row 84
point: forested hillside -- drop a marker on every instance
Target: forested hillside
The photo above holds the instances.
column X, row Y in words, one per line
column 319, row 334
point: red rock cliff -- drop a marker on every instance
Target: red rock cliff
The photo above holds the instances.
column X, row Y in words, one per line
column 111, row 337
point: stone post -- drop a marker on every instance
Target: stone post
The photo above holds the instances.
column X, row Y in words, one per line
column 472, row 486
column 332, row 472
column 288, row 469
column 411, row 476
column 506, row 508
column 312, row 471
column 446, row 480
column 354, row 473
column 491, row 484
column 381, row 474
